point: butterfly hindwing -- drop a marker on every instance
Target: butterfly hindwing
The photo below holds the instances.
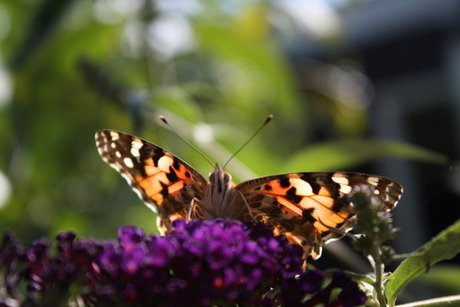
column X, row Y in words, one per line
column 164, row 182
column 304, row 207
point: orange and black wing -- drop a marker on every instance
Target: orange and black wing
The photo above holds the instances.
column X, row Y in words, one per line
column 164, row 182
column 306, row 207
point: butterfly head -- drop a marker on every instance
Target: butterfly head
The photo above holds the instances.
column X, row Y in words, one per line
column 220, row 180
column 219, row 195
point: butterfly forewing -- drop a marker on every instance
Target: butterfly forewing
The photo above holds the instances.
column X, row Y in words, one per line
column 164, row 182
column 307, row 207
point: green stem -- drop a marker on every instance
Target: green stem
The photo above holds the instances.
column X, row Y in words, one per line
column 379, row 268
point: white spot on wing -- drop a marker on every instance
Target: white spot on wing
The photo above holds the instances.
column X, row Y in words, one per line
column 340, row 179
column 345, row 189
column 302, row 187
column 136, row 144
column 128, row 162
column 114, row 135
column 373, row 180
column 164, row 163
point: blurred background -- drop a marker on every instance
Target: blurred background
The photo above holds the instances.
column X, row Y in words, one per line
column 369, row 86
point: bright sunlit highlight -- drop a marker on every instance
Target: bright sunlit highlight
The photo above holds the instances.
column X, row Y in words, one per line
column 114, row 11
column 5, row 190
column 203, row 133
column 314, row 16
column 170, row 35
column 5, row 87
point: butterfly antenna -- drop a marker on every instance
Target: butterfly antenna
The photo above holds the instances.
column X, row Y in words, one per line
column 163, row 119
column 267, row 120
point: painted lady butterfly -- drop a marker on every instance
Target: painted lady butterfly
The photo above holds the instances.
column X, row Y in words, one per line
column 303, row 207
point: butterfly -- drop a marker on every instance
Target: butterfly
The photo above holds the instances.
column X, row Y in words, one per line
column 306, row 208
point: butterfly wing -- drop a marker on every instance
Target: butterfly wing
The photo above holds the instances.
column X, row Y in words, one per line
column 304, row 207
column 164, row 182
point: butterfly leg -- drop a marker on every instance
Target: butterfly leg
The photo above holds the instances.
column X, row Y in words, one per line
column 191, row 208
column 247, row 206
column 195, row 210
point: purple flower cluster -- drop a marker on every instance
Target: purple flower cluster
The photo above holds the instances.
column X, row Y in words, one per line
column 201, row 263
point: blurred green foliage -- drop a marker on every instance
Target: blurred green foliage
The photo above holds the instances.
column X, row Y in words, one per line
column 79, row 66
column 443, row 277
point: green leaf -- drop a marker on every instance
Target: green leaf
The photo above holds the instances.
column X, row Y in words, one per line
column 442, row 247
column 345, row 154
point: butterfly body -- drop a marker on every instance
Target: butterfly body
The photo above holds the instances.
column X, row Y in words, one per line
column 303, row 207
column 220, row 199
